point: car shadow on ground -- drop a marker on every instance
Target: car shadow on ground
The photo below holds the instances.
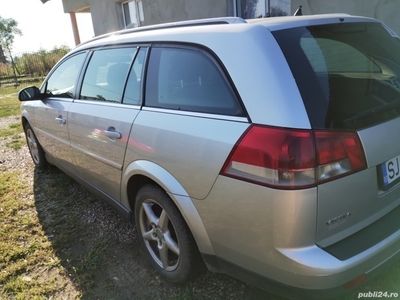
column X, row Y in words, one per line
column 100, row 251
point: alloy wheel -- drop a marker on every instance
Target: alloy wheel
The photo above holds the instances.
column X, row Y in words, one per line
column 159, row 235
column 33, row 145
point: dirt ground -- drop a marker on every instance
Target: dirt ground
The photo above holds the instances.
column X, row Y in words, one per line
column 93, row 252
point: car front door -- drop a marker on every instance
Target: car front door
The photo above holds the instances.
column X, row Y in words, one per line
column 51, row 123
column 101, row 119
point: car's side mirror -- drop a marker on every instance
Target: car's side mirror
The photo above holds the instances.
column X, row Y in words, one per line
column 30, row 93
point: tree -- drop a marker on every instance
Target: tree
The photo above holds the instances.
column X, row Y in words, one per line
column 3, row 59
column 8, row 31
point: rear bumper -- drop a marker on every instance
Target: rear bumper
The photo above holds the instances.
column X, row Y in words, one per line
column 318, row 270
column 353, row 287
column 263, row 235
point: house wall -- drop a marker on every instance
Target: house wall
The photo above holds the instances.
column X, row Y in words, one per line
column 107, row 14
column 75, row 5
column 162, row 11
column 384, row 10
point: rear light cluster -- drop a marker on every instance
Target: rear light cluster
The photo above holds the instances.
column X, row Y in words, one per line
column 294, row 158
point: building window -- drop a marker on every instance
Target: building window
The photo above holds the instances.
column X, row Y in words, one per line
column 132, row 13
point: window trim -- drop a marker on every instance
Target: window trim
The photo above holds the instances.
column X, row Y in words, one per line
column 142, row 78
column 218, row 64
column 77, row 81
column 149, row 45
column 86, row 65
column 108, row 103
column 196, row 114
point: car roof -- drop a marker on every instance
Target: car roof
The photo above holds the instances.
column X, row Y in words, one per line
column 278, row 23
column 178, row 31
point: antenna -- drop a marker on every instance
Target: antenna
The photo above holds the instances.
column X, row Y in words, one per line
column 298, row 11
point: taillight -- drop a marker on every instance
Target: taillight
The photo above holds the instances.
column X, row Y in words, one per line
column 293, row 158
column 338, row 154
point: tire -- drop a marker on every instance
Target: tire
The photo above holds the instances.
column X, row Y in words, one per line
column 36, row 151
column 165, row 237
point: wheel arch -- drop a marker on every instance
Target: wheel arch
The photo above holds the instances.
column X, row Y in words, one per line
column 142, row 172
column 24, row 119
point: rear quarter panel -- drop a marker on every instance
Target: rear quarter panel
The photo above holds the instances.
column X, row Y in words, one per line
column 193, row 149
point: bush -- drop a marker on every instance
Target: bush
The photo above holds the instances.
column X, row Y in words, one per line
column 33, row 64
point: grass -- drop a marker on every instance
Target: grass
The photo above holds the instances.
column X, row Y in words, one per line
column 13, row 132
column 9, row 104
column 16, row 143
column 12, row 129
column 25, row 252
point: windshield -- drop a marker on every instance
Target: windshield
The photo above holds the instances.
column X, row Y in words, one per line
column 348, row 74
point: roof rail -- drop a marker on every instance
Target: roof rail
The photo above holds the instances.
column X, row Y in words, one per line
column 199, row 22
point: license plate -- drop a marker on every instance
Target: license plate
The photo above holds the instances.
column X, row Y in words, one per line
column 391, row 170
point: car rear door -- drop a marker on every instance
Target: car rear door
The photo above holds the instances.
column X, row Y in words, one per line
column 191, row 117
column 100, row 120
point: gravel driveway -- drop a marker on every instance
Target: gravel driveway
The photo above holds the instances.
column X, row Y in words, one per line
column 98, row 250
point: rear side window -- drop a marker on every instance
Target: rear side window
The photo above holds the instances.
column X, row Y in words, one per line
column 188, row 79
column 61, row 82
column 348, row 74
column 106, row 74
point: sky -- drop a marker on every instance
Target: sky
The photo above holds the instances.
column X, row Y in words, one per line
column 44, row 26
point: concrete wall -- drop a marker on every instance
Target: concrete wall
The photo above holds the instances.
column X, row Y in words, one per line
column 384, row 10
column 162, row 11
column 107, row 14
column 75, row 5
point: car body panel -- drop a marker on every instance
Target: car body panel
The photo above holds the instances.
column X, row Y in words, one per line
column 182, row 143
column 340, row 213
column 51, row 127
column 272, row 233
column 98, row 158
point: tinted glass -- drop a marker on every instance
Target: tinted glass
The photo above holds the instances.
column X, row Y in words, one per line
column 348, row 74
column 186, row 79
column 106, row 74
column 61, row 82
column 133, row 86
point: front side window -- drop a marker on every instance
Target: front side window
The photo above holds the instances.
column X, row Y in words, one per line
column 188, row 79
column 62, row 81
column 106, row 74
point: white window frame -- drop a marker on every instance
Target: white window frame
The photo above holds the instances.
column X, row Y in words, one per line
column 138, row 7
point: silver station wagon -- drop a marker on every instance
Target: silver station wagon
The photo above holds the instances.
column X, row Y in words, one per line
column 266, row 149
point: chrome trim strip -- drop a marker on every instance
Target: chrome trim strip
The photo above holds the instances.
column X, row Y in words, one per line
column 70, row 100
column 196, row 114
column 107, row 103
column 98, row 158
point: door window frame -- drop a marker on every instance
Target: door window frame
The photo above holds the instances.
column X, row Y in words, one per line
column 90, row 51
column 222, row 70
column 43, row 87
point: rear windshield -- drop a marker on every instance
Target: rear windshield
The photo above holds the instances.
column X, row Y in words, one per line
column 348, row 74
